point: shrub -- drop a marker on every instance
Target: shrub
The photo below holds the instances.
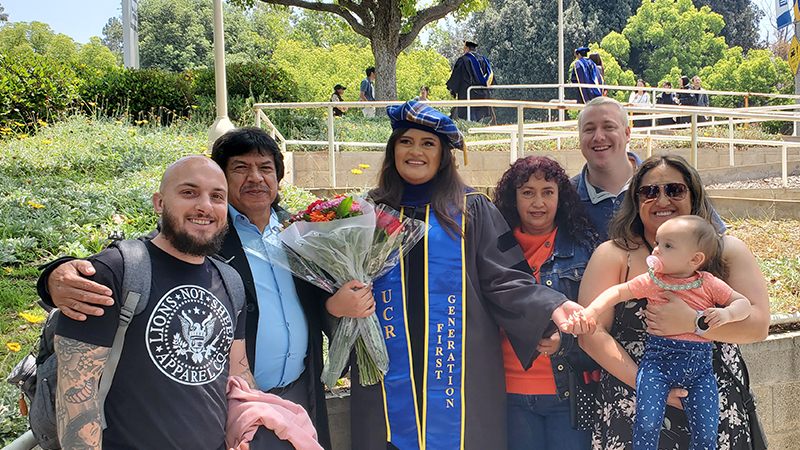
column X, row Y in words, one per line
column 254, row 79
column 34, row 87
column 146, row 93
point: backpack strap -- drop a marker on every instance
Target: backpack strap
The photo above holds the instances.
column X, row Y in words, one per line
column 136, row 280
column 233, row 286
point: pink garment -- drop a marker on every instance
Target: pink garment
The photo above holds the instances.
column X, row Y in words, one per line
column 712, row 292
column 248, row 409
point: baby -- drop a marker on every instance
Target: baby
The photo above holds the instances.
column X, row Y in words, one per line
column 684, row 247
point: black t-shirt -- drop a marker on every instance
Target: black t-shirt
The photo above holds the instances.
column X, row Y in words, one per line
column 169, row 387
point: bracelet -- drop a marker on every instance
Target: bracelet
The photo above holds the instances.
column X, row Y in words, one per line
column 700, row 325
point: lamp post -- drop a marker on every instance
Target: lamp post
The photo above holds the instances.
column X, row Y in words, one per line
column 561, row 58
column 222, row 123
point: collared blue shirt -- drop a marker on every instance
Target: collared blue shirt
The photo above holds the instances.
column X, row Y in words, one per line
column 282, row 338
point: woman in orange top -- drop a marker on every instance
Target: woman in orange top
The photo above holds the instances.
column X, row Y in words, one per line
column 557, row 236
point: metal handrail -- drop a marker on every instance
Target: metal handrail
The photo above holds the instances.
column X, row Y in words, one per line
column 518, row 131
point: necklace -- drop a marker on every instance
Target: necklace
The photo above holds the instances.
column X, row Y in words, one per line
column 674, row 287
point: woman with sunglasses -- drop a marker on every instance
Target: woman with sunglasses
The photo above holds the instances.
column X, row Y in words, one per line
column 662, row 188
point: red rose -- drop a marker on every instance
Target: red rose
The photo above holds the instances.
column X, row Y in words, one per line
column 388, row 222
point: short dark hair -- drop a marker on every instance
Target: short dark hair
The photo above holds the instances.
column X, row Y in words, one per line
column 370, row 70
column 241, row 141
column 471, row 45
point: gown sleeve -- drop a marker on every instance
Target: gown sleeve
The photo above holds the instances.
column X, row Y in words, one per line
column 508, row 290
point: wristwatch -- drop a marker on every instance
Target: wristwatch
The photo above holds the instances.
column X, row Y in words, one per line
column 700, row 325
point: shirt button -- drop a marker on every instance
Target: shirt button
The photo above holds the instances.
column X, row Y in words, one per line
column 287, row 324
column 533, row 268
column 288, row 355
column 547, row 244
column 251, row 307
column 548, row 282
column 560, row 367
column 566, row 394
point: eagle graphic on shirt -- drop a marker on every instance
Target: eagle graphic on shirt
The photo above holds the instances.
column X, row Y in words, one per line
column 195, row 336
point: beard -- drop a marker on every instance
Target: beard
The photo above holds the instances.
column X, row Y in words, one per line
column 185, row 242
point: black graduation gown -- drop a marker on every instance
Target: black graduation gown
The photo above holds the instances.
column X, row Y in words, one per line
column 461, row 79
column 500, row 293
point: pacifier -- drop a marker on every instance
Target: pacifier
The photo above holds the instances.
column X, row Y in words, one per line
column 655, row 263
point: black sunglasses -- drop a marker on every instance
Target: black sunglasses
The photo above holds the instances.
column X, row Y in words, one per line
column 675, row 191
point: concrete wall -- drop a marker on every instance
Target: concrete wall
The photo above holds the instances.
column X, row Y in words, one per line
column 774, row 366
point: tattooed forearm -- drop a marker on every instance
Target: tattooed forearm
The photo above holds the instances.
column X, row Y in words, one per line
column 239, row 365
column 80, row 366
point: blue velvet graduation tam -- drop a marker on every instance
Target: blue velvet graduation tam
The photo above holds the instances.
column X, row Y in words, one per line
column 422, row 117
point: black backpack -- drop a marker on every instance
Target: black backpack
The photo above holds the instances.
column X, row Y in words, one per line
column 36, row 375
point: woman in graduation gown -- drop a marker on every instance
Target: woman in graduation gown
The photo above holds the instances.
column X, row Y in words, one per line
column 442, row 307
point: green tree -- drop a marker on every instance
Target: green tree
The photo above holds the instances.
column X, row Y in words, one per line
column 671, row 33
column 39, row 38
column 317, row 69
column 3, row 15
column 742, row 18
column 757, row 71
column 113, row 37
column 175, row 35
column 390, row 25
column 95, row 55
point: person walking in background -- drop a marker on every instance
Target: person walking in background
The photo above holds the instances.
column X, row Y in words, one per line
column 598, row 62
column 686, row 98
column 557, row 237
column 584, row 71
column 471, row 69
column 702, row 99
column 668, row 99
column 423, row 94
column 338, row 90
column 640, row 98
column 368, row 92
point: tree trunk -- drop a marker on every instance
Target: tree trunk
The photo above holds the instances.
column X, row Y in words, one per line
column 386, row 48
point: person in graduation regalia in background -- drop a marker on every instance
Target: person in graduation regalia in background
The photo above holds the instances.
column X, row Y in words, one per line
column 584, row 71
column 471, row 69
column 441, row 309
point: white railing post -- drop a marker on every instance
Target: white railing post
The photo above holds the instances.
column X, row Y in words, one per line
column 694, row 140
column 469, row 92
column 331, row 149
column 520, row 133
column 731, row 145
column 784, row 166
column 258, row 118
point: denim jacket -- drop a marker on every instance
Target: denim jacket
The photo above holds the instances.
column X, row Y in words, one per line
column 563, row 271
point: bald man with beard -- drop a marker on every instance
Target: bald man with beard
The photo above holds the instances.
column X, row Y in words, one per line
column 167, row 393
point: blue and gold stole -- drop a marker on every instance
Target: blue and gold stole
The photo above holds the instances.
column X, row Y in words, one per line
column 442, row 424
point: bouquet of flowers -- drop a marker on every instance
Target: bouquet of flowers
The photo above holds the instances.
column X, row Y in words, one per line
column 332, row 242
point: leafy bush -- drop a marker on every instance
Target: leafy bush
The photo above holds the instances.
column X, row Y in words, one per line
column 254, row 79
column 34, row 88
column 141, row 93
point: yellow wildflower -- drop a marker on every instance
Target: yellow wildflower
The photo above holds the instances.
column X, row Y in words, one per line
column 32, row 318
column 42, row 123
column 92, row 104
column 47, row 142
column 363, row 166
column 8, row 270
column 13, row 346
column 355, row 171
column 23, row 136
column 117, row 122
column 35, row 205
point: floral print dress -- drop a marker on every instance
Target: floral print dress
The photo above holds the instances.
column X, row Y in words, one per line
column 614, row 425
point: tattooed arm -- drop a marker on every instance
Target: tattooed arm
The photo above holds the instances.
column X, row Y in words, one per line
column 77, row 405
column 239, row 365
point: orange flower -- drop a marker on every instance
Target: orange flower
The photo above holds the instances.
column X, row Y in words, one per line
column 330, row 216
column 318, row 216
column 13, row 346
